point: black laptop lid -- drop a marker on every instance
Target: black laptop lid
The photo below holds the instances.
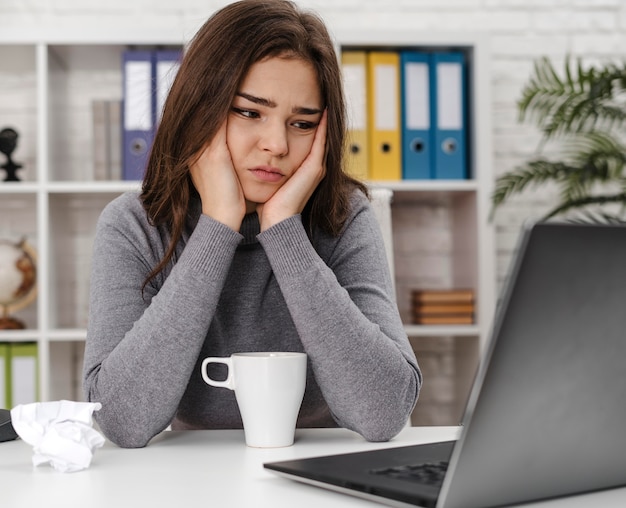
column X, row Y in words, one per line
column 546, row 418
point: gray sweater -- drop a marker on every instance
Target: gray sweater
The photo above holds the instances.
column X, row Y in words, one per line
column 228, row 291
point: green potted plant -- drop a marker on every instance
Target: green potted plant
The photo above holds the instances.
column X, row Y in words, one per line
column 583, row 110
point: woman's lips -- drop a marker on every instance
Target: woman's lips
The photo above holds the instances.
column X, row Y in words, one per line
column 267, row 173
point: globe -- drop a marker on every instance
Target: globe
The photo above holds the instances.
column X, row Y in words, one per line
column 18, row 280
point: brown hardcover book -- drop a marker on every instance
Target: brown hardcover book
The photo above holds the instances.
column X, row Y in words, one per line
column 444, row 308
column 458, row 319
column 443, row 296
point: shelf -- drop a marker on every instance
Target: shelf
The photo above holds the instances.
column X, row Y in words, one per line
column 69, row 187
column 67, row 335
column 79, row 334
column 50, row 77
column 27, row 335
column 92, row 187
column 442, row 330
column 427, row 185
column 18, row 187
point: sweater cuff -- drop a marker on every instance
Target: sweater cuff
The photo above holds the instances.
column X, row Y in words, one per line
column 211, row 246
column 287, row 246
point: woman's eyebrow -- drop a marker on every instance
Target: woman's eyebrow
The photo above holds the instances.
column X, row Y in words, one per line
column 257, row 100
column 301, row 110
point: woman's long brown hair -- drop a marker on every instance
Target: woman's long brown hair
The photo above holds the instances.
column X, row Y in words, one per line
column 215, row 63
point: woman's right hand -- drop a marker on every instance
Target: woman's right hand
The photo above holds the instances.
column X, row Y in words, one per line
column 216, row 181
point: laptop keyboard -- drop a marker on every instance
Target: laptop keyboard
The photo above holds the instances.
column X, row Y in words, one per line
column 426, row 473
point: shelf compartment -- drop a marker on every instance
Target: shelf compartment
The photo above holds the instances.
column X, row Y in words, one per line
column 77, row 76
column 72, row 222
column 449, row 365
column 435, row 245
column 18, row 106
column 18, row 221
column 65, row 381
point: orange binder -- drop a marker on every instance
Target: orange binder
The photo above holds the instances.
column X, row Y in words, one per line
column 354, row 69
column 384, row 115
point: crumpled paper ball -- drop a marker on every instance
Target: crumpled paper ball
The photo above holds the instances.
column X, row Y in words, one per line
column 61, row 432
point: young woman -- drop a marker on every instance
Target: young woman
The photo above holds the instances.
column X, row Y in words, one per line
column 247, row 236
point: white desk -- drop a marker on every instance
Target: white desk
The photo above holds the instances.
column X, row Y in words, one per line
column 206, row 469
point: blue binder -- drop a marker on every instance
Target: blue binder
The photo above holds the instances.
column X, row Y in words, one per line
column 449, row 105
column 137, row 112
column 417, row 135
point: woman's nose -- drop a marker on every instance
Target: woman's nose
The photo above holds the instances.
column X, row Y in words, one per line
column 273, row 139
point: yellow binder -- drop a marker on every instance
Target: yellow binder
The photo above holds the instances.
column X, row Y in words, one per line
column 384, row 115
column 354, row 68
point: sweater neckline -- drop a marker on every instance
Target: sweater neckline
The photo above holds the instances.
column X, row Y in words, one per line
column 250, row 228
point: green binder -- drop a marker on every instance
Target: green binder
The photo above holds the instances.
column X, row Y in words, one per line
column 5, row 376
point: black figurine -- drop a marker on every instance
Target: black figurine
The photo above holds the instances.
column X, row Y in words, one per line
column 8, row 143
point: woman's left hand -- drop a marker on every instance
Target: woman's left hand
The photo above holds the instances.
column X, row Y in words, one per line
column 291, row 198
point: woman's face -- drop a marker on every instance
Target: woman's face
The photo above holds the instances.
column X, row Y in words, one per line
column 271, row 125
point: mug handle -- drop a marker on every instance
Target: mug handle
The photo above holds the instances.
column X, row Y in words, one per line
column 228, row 382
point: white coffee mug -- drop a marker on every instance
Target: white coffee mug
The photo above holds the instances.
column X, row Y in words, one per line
column 269, row 388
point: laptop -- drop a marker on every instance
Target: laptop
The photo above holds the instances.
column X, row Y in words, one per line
column 545, row 415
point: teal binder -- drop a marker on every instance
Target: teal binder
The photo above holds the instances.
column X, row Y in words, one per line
column 449, row 106
column 417, row 131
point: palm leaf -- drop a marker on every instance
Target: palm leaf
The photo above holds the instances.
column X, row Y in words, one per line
column 533, row 173
column 593, row 158
column 564, row 207
column 580, row 101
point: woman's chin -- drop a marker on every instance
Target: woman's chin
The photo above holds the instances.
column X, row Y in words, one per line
column 254, row 199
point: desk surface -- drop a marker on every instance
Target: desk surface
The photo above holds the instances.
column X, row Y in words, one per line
column 207, row 468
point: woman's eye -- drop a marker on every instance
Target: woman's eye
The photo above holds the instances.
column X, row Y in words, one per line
column 304, row 125
column 245, row 112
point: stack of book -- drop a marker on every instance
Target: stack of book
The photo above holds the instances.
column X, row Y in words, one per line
column 107, row 139
column 443, row 307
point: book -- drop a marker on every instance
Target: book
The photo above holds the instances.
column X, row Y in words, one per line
column 444, row 308
column 442, row 296
column 107, row 139
column 443, row 319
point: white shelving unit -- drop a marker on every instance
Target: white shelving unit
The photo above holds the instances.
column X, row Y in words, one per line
column 48, row 79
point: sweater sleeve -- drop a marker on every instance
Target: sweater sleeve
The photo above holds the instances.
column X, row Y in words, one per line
column 346, row 315
column 140, row 351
